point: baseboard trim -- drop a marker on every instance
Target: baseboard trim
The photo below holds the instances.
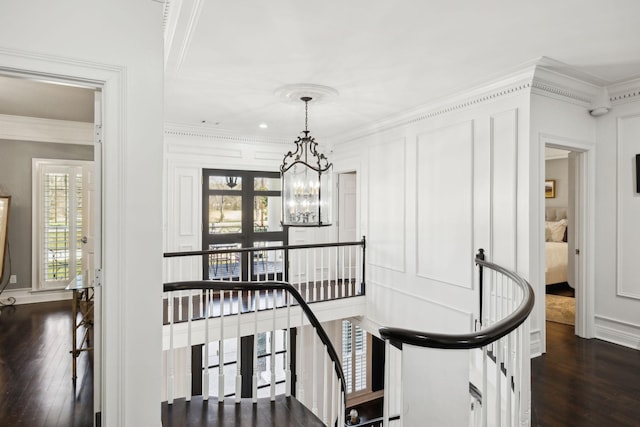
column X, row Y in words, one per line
column 27, row 296
column 617, row 332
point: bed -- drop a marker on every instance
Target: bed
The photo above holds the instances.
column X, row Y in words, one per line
column 556, row 247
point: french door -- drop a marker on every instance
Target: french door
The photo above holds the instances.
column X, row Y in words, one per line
column 62, row 221
column 242, row 209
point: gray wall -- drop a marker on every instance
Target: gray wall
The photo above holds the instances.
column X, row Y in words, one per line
column 558, row 169
column 15, row 180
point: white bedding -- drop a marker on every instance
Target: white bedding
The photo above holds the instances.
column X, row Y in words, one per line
column 557, row 258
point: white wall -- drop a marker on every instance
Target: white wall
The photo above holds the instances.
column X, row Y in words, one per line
column 118, row 43
column 558, row 170
column 432, row 192
column 434, row 189
column 617, row 230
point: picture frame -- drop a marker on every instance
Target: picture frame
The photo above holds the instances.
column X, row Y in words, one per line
column 5, row 203
column 550, row 188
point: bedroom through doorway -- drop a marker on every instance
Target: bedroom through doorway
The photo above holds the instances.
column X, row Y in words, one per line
column 564, row 219
column 559, row 281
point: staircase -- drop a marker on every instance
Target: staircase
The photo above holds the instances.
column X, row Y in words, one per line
column 280, row 368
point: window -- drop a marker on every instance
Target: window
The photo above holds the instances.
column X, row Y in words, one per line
column 355, row 351
column 242, row 209
column 61, row 216
column 263, row 344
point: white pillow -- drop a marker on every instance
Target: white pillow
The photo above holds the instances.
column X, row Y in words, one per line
column 554, row 230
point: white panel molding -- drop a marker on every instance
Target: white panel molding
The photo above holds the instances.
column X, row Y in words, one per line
column 45, row 130
column 623, row 185
column 504, row 137
column 386, row 254
column 427, row 265
column 618, row 332
column 469, row 315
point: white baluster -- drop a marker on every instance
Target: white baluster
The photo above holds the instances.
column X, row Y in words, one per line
column 342, row 275
column 485, row 390
column 301, row 358
column 335, row 282
column 322, row 274
column 307, row 275
column 287, row 345
column 325, row 383
column 273, row 350
column 205, row 380
column 221, row 351
column 350, row 282
column 387, row 377
column 315, row 271
column 334, row 394
column 314, row 372
column 254, row 388
column 170, row 353
column 239, row 352
column 189, row 344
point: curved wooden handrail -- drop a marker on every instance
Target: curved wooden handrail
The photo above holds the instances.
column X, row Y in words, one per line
column 219, row 285
column 481, row 338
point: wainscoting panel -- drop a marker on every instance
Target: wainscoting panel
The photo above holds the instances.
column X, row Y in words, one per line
column 445, row 204
column 387, row 189
column 628, row 207
column 504, row 141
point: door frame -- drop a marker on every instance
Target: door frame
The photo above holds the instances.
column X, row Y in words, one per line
column 109, row 381
column 585, row 231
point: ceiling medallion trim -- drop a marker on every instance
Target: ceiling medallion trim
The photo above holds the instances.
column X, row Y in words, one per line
column 295, row 92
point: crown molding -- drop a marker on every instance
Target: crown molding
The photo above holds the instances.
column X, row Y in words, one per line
column 621, row 93
column 178, row 130
column 514, row 83
column 21, row 128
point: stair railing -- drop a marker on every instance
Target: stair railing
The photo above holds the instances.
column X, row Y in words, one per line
column 319, row 272
column 205, row 312
column 499, row 380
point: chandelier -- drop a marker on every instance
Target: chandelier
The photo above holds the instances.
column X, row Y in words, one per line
column 306, row 182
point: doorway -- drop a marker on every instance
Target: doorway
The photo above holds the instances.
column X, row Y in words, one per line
column 53, row 131
column 568, row 200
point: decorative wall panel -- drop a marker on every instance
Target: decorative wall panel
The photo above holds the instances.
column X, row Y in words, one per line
column 504, row 174
column 628, row 208
column 387, row 205
column 445, row 204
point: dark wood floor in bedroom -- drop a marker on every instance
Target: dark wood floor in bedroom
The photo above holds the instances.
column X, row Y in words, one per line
column 584, row 383
column 562, row 289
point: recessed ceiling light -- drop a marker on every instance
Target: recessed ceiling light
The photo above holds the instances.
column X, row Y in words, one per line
column 263, row 126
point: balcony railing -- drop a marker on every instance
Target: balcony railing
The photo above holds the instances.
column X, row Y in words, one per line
column 319, row 272
column 498, row 375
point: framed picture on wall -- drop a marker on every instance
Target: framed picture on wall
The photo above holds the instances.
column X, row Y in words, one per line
column 550, row 188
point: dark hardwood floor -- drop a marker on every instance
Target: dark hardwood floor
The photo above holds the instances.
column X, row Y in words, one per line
column 284, row 412
column 35, row 369
column 577, row 383
column 584, row 383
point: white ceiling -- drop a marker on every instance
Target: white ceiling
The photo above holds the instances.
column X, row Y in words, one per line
column 225, row 60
